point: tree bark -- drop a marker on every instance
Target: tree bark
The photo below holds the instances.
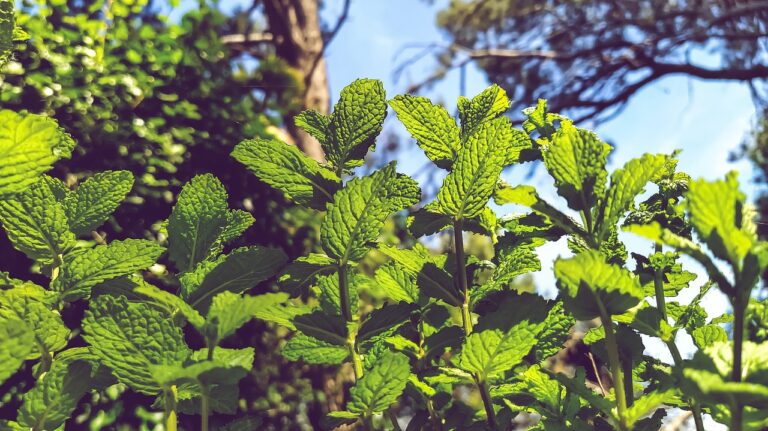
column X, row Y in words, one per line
column 298, row 39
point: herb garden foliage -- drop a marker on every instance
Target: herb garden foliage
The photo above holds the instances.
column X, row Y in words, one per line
column 449, row 321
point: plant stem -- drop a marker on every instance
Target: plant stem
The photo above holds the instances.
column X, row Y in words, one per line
column 739, row 309
column 437, row 424
column 204, row 408
column 346, row 312
column 487, row 402
column 612, row 347
column 458, row 245
column 661, row 305
column 466, row 317
column 393, row 418
column 170, row 409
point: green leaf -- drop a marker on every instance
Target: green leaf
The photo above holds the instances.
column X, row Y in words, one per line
column 381, row 386
column 707, row 335
column 196, row 222
column 36, row 223
column 7, row 25
column 539, row 119
column 576, row 160
column 287, row 169
column 229, row 311
column 281, row 312
column 313, row 351
column 432, row 280
column 54, row 398
column 708, row 374
column 238, row 221
column 647, row 403
column 486, row 106
column 322, row 326
column 329, row 294
column 50, row 333
column 171, row 303
column 398, row 284
column 94, row 200
column 387, row 318
column 29, row 145
column 300, row 274
column 626, row 184
column 504, row 337
column 431, row 125
column 468, row 187
column 17, row 341
column 355, row 123
column 554, row 333
column 586, row 279
column 129, row 338
column 358, row 212
column 237, row 272
column 103, row 262
column 513, row 260
column 314, row 123
column 715, row 210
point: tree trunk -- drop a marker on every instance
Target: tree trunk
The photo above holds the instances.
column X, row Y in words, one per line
column 298, row 40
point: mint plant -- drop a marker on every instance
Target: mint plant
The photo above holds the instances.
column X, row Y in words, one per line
column 440, row 340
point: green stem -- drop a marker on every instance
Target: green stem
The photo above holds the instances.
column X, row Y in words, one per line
column 458, row 245
column 204, row 408
column 346, row 312
column 739, row 309
column 612, row 347
column 170, row 409
column 487, row 402
column 661, row 305
column 437, row 424
column 466, row 317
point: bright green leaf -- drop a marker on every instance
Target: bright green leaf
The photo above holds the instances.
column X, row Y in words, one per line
column 313, row 351
column 381, row 386
column 95, row 199
column 431, row 125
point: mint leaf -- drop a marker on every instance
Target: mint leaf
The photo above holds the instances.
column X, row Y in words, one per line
column 172, row 304
column 196, row 222
column 324, row 327
column 17, row 341
column 576, row 160
column 715, row 210
column 431, row 125
column 130, row 338
column 358, row 212
column 238, row 221
column 626, row 184
column 540, row 120
column 381, row 386
column 398, row 284
column 313, row 351
column 503, row 337
column 103, row 262
column 300, row 274
column 314, row 123
column 50, row 333
column 513, row 260
column 432, row 280
column 328, row 292
column 707, row 335
column 385, row 319
column 236, row 272
column 29, row 145
column 229, row 311
column 468, row 187
column 7, row 25
column 94, row 200
column 486, row 106
column 282, row 312
column 54, row 398
column 36, row 223
column 586, row 279
column 355, row 123
column 287, row 169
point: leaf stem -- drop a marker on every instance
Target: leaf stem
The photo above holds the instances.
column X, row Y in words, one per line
column 170, row 409
column 613, row 358
column 204, row 408
column 487, row 402
column 739, row 309
column 458, row 245
column 661, row 305
column 466, row 317
column 346, row 312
